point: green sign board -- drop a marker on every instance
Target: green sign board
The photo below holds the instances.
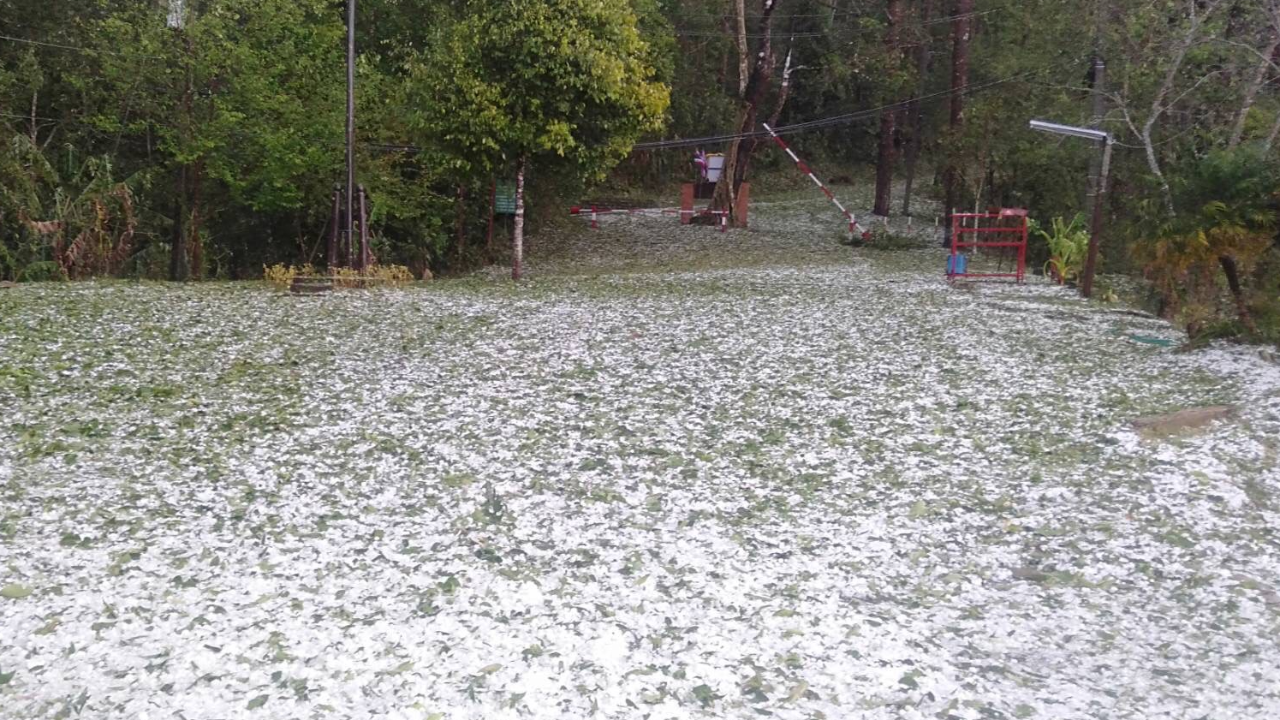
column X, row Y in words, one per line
column 504, row 197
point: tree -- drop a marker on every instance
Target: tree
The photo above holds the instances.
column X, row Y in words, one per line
column 1226, row 217
column 241, row 103
column 1267, row 62
column 560, row 85
column 888, row 118
column 754, row 73
column 913, row 114
column 1197, row 16
column 960, row 35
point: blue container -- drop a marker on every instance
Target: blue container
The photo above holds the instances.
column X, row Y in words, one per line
column 957, row 264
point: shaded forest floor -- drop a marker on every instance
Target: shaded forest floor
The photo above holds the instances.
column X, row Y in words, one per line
column 678, row 474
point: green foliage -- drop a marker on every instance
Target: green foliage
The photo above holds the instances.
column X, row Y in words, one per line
column 1068, row 244
column 80, row 223
column 1266, row 299
column 1227, row 208
column 567, row 83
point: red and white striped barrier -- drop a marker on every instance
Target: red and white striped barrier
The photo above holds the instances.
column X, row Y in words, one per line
column 596, row 212
column 854, row 227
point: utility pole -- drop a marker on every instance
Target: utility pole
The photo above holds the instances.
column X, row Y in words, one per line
column 350, row 228
column 1099, row 98
column 1095, row 226
column 1100, row 198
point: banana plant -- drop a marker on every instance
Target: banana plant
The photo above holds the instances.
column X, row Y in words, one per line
column 1068, row 244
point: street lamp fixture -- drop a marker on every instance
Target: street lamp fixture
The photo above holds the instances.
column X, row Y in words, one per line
column 1086, row 133
column 1100, row 191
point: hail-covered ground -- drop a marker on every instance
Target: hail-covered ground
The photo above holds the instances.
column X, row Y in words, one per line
column 678, row 474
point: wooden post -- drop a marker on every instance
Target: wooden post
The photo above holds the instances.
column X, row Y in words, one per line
column 1095, row 231
column 686, row 203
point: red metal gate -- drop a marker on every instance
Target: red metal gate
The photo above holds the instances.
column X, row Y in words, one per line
column 1004, row 231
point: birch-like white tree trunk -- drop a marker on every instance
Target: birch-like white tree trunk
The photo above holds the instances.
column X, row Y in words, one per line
column 1197, row 17
column 176, row 18
column 744, row 58
column 784, row 90
column 517, row 235
column 1255, row 85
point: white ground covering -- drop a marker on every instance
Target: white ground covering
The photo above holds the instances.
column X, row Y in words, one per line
column 824, row 486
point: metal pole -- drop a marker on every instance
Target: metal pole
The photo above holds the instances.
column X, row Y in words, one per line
column 364, row 231
column 351, row 121
column 1095, row 230
column 1099, row 113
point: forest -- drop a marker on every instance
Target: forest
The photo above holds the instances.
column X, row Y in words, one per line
column 203, row 139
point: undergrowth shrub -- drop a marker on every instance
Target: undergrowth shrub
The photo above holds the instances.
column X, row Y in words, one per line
column 283, row 275
column 884, row 237
column 42, row 271
column 379, row 274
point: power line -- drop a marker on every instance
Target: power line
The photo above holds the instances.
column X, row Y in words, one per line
column 692, row 32
column 848, row 118
column 975, row 13
column 60, row 46
column 28, row 117
column 866, row 114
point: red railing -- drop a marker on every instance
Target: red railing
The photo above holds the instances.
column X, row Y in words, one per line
column 1004, row 229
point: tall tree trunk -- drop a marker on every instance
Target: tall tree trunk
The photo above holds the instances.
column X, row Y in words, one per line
column 493, row 210
column 887, row 155
column 884, row 163
column 1269, row 55
column 178, row 265
column 737, row 159
column 913, row 114
column 744, row 52
column 517, row 233
column 35, row 128
column 195, row 241
column 960, row 35
column 784, row 92
column 460, row 223
column 178, row 247
column 1232, row 272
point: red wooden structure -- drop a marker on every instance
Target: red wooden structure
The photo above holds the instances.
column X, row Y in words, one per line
column 1004, row 231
